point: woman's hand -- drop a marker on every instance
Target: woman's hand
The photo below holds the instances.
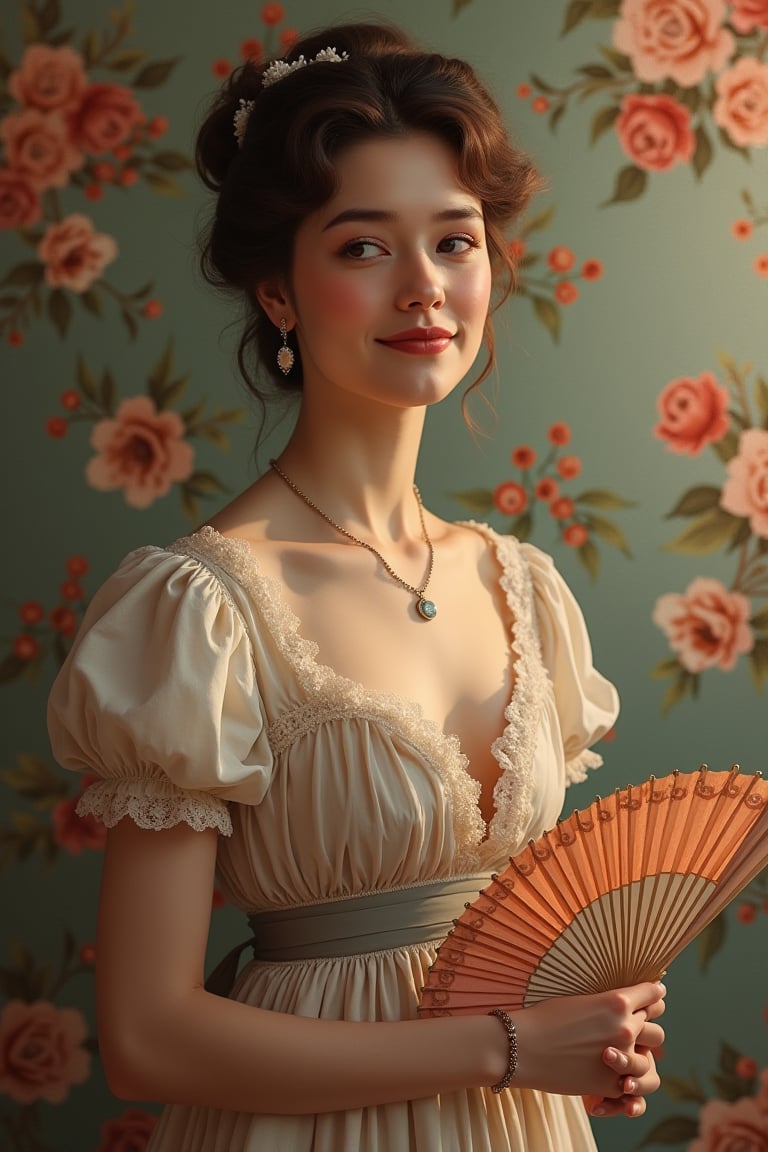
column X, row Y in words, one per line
column 636, row 1071
column 563, row 1044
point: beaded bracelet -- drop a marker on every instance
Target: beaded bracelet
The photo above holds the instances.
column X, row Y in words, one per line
column 509, row 1028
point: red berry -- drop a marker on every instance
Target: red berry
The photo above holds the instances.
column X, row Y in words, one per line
column 88, row 954
column 566, row 292
column 575, row 535
column 31, row 612
column 15, row 338
column 63, row 620
column 70, row 400
column 746, row 913
column 26, row 647
column 56, row 427
column 152, row 309
column 71, row 590
column 561, row 508
column 273, row 14
column 77, row 566
column 157, row 127
column 561, row 259
column 559, row 434
column 523, row 456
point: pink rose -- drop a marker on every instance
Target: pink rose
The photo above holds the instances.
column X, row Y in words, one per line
column 105, row 118
column 75, row 833
column 706, row 626
column 38, row 146
column 19, row 201
column 742, row 104
column 725, row 1127
column 128, row 1133
column 749, row 15
column 141, row 450
column 745, row 492
column 694, row 413
column 48, row 78
column 655, row 131
column 41, row 1053
column 74, row 254
column 679, row 39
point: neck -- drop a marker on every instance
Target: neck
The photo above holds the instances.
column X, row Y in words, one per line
column 359, row 472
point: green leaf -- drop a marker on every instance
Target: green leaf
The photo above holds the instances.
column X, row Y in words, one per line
column 30, row 272
column 577, row 11
column 685, row 684
column 758, row 663
column 173, row 392
column 556, row 116
column 759, row 621
column 162, row 184
column 665, row 668
column 681, row 1089
column 602, row 498
column 672, row 1130
column 618, row 60
column 479, row 500
column 590, row 558
column 542, row 84
column 548, row 314
column 690, row 98
column 204, row 484
column 726, row 448
column 60, row 311
column 190, row 504
column 160, row 376
column 696, row 500
column 604, row 9
column 86, row 380
column 91, row 301
column 711, row 531
column 727, row 142
column 521, row 527
column 108, row 392
column 126, row 60
column 596, row 71
column 130, row 322
column 50, row 15
column 90, row 47
column 608, row 532
column 702, row 156
column 155, row 74
column 631, row 182
column 12, row 668
column 761, row 398
column 741, row 535
column 711, row 941
column 35, row 781
column 603, row 121
column 30, row 24
column 538, row 222
column 171, row 161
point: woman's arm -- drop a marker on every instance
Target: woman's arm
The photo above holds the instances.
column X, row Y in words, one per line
column 163, row 1037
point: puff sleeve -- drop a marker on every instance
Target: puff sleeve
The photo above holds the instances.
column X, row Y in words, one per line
column 587, row 704
column 158, row 699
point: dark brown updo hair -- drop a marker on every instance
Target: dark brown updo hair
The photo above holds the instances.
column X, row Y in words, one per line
column 284, row 170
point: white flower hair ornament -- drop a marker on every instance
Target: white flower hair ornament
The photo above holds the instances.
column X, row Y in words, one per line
column 276, row 71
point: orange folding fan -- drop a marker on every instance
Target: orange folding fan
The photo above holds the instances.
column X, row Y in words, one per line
column 609, row 897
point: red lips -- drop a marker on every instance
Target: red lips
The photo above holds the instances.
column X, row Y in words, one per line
column 419, row 341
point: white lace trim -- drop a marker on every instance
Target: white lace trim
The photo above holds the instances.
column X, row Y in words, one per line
column 153, row 802
column 334, row 696
column 515, row 748
column 576, row 769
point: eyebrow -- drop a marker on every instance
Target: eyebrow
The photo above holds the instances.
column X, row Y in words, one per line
column 379, row 215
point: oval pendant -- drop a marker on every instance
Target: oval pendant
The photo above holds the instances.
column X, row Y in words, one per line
column 426, row 609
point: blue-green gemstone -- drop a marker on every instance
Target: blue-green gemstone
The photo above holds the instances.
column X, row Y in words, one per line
column 427, row 609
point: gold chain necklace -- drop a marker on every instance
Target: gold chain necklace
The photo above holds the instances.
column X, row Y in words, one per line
column 426, row 608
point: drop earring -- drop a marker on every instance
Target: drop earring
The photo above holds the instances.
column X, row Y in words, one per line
column 285, row 357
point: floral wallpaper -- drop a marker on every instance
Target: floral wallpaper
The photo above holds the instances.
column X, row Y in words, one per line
column 628, row 436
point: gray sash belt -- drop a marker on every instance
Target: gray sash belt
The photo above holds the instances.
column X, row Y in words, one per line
column 391, row 919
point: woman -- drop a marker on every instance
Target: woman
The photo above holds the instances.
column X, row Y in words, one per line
column 330, row 695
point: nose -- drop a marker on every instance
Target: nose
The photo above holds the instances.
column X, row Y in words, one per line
column 422, row 287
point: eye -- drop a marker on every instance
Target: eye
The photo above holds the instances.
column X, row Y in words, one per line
column 457, row 245
column 361, row 249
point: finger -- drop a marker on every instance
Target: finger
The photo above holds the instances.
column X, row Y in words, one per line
column 641, row 996
column 653, row 1011
column 627, row 1064
column 650, row 1036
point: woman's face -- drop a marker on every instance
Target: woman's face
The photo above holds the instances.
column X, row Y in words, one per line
column 391, row 278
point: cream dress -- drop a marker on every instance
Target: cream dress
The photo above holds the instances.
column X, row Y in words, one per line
column 192, row 695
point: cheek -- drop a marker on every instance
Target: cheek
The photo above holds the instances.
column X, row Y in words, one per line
column 335, row 300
